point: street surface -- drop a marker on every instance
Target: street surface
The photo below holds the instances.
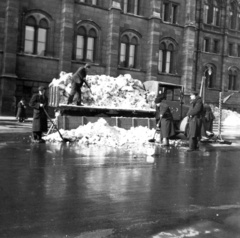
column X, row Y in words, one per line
column 59, row 190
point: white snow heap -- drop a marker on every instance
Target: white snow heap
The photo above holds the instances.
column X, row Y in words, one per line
column 100, row 133
column 229, row 118
column 107, row 91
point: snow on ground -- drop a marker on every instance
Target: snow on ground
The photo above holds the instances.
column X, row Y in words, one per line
column 100, row 133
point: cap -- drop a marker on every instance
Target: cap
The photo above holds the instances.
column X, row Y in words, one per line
column 41, row 88
column 87, row 66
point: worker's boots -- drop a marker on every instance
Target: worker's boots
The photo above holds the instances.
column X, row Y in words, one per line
column 165, row 142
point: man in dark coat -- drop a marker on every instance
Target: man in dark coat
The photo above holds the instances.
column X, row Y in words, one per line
column 78, row 79
column 38, row 102
column 164, row 119
column 195, row 114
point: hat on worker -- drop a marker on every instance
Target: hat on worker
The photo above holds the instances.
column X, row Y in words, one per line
column 87, row 66
column 41, row 88
column 194, row 93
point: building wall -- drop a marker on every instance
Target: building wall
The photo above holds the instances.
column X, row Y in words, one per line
column 187, row 34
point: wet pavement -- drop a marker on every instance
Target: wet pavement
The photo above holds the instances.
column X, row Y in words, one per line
column 61, row 190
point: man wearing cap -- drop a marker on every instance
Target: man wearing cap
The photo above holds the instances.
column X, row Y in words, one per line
column 195, row 121
column 78, row 78
column 164, row 119
column 39, row 125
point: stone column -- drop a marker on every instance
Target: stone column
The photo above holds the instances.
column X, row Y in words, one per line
column 8, row 76
column 113, row 39
column 66, row 35
column 189, row 44
column 153, row 40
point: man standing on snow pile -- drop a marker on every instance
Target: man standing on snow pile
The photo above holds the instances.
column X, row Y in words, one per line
column 195, row 114
column 78, row 78
column 164, row 119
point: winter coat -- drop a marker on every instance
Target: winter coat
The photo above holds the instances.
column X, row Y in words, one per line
column 208, row 119
column 21, row 111
column 79, row 77
column 195, row 115
column 163, row 113
column 39, row 116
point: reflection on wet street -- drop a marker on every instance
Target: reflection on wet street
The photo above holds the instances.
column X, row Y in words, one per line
column 64, row 190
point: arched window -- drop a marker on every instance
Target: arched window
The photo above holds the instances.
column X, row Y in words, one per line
column 232, row 79
column 35, row 40
column 128, row 51
column 212, row 12
column 165, row 58
column 233, row 16
column 216, row 13
column 86, row 44
column 209, row 76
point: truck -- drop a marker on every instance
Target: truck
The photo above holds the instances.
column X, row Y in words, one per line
column 72, row 116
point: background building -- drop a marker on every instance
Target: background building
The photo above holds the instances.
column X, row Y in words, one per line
column 179, row 41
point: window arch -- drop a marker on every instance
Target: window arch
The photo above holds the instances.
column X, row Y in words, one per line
column 232, row 78
column 86, row 43
column 212, row 12
column 166, row 57
column 129, row 43
column 210, row 75
column 36, row 30
column 233, row 15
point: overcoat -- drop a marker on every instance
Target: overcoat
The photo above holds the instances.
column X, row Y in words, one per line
column 195, row 114
column 39, row 116
column 163, row 113
column 21, row 111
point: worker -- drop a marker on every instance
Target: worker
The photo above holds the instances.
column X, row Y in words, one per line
column 164, row 119
column 39, row 103
column 78, row 78
column 195, row 114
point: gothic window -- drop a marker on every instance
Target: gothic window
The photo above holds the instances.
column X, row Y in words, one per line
column 233, row 16
column 209, row 75
column 169, row 12
column 211, row 12
column 128, row 51
column 35, row 36
column 86, row 44
column 232, row 79
column 131, row 6
column 165, row 57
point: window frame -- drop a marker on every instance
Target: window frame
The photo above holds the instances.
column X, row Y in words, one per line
column 86, row 36
column 170, row 12
column 166, row 57
column 232, row 79
column 129, row 41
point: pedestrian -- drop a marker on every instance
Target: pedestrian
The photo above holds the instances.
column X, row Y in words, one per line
column 195, row 121
column 39, row 103
column 78, row 79
column 21, row 110
column 164, row 119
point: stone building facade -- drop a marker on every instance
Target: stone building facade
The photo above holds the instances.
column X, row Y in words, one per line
column 176, row 41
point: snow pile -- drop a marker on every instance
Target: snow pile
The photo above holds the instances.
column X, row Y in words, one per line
column 100, row 133
column 107, row 91
column 229, row 118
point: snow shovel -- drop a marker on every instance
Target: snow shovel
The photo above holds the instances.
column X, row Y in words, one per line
column 63, row 139
column 153, row 139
